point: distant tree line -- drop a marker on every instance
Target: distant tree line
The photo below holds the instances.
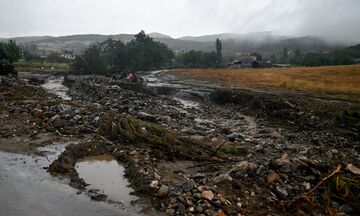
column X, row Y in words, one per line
column 337, row 57
column 117, row 57
column 201, row 59
column 9, row 53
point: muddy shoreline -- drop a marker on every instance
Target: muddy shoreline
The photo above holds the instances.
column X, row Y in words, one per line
column 198, row 151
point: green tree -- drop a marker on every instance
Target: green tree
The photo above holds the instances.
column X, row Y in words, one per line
column 13, row 50
column 92, row 61
column 148, row 54
column 4, row 54
column 219, row 50
column 114, row 56
column 9, row 53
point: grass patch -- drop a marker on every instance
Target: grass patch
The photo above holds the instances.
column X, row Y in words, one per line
column 329, row 80
column 233, row 150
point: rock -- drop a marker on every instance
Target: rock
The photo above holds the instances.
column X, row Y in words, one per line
column 181, row 208
column 191, row 209
column 220, row 213
column 207, row 195
column 197, row 195
column 170, row 211
column 243, row 169
column 243, row 165
column 115, row 87
column 188, row 131
column 198, row 177
column 63, row 109
column 187, row 186
column 353, row 169
column 307, row 185
column 281, row 192
column 154, row 184
column 203, row 121
column 199, row 209
column 146, row 116
column 198, row 138
column 163, row 191
column 99, row 197
column 283, row 164
column 77, row 117
column 38, row 113
column 222, row 178
column 334, row 204
column 346, row 208
column 59, row 123
column 233, row 136
column 272, row 177
column 210, row 212
column 54, row 118
column 36, row 120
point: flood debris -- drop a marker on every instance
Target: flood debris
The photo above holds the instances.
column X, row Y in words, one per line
column 248, row 156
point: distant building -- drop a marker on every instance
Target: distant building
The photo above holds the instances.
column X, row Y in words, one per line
column 67, row 54
column 282, row 65
column 244, row 61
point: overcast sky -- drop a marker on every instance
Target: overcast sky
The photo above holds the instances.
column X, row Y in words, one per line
column 334, row 19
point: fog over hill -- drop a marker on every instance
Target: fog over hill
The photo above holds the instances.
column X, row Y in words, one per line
column 264, row 42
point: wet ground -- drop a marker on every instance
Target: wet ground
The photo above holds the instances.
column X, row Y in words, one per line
column 54, row 85
column 27, row 188
column 184, row 149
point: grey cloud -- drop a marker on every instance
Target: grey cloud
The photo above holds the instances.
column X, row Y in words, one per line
column 333, row 19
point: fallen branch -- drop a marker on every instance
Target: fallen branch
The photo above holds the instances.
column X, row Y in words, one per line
column 336, row 171
column 306, row 195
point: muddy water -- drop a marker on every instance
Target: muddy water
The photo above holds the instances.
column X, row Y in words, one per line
column 188, row 96
column 27, row 189
column 105, row 174
column 54, row 85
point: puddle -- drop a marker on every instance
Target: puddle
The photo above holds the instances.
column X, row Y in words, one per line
column 54, row 85
column 105, row 174
column 27, row 189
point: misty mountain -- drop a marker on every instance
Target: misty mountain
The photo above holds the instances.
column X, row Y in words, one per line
column 158, row 35
column 263, row 42
column 30, row 39
column 258, row 36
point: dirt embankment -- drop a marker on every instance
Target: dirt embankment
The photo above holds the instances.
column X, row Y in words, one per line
column 301, row 111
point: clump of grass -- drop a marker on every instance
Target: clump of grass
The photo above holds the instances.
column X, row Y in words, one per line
column 130, row 131
column 233, row 150
column 343, row 188
column 156, row 129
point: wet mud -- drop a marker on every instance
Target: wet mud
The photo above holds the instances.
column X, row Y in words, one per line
column 194, row 151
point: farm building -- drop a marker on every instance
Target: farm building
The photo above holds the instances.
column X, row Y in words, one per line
column 244, row 61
